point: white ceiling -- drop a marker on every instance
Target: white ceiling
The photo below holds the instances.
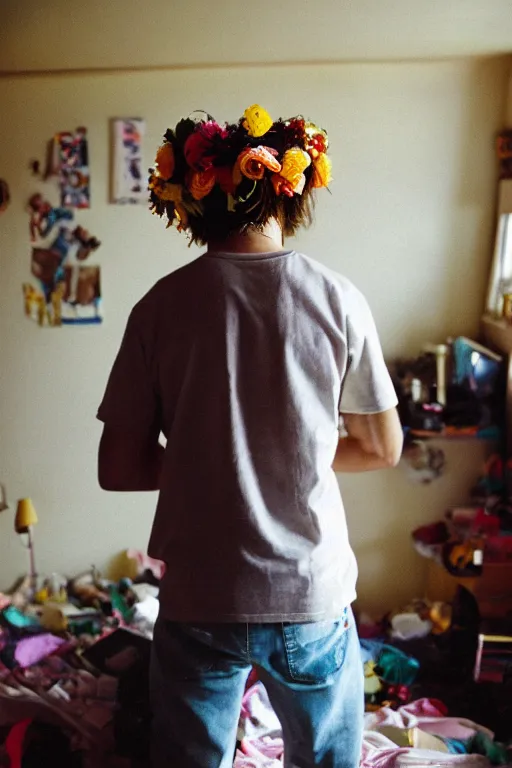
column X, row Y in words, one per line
column 71, row 34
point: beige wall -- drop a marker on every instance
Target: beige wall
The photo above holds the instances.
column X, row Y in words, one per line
column 131, row 33
column 409, row 220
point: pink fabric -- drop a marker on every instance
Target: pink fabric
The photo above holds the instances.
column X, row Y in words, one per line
column 262, row 746
column 31, row 650
column 242, row 761
column 258, row 717
column 380, row 752
column 146, row 563
column 267, row 746
column 429, row 716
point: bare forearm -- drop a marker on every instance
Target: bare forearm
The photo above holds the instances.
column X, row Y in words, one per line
column 351, row 456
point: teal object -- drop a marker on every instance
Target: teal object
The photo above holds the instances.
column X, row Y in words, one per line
column 481, row 744
column 119, row 604
column 456, row 746
column 18, row 619
column 396, row 667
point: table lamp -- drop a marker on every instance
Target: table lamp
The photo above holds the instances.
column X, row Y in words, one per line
column 24, row 521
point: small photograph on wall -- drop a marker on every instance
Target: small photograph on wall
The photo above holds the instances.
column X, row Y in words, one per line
column 128, row 178
column 69, row 161
column 75, row 300
column 67, row 292
column 81, row 296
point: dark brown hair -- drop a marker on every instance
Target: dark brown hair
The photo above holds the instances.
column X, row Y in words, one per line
column 220, row 211
column 216, row 222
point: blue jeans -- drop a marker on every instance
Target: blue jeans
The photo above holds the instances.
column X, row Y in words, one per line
column 312, row 672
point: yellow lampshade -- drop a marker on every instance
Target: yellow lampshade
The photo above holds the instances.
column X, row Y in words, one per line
column 25, row 516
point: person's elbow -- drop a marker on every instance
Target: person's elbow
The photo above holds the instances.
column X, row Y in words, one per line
column 392, row 454
column 391, row 451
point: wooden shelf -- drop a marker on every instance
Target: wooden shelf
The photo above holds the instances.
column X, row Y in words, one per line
column 457, row 434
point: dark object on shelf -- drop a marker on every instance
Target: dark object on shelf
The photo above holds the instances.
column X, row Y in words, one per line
column 421, row 417
column 463, row 408
column 471, row 395
column 459, row 558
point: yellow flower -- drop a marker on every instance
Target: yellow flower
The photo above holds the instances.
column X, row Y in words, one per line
column 295, row 162
column 322, row 171
column 257, row 121
column 165, row 160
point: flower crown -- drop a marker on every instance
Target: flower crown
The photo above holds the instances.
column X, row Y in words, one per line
column 200, row 157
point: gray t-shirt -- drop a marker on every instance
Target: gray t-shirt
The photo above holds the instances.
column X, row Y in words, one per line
column 244, row 361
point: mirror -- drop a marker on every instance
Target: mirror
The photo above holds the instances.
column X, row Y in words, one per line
column 500, row 281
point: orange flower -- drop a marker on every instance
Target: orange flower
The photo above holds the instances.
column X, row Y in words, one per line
column 165, row 160
column 295, row 162
column 253, row 161
column 201, row 183
column 322, row 171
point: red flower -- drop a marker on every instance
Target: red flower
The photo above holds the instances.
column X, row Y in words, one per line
column 295, row 132
column 199, row 148
column 282, row 186
column 224, row 176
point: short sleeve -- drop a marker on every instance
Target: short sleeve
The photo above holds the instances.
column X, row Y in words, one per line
column 130, row 400
column 367, row 387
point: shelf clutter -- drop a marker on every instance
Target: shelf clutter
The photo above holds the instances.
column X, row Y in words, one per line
column 454, row 390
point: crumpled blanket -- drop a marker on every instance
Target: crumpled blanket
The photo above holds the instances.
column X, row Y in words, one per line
column 427, row 714
column 262, row 745
column 380, row 752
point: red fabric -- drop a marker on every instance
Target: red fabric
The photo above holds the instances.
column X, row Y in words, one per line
column 14, row 742
column 252, row 679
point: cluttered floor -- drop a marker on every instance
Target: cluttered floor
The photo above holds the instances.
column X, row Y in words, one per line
column 74, row 684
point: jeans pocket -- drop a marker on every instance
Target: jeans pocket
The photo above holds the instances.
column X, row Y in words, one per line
column 315, row 651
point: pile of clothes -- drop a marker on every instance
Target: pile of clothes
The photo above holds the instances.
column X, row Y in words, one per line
column 388, row 674
column 67, row 655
